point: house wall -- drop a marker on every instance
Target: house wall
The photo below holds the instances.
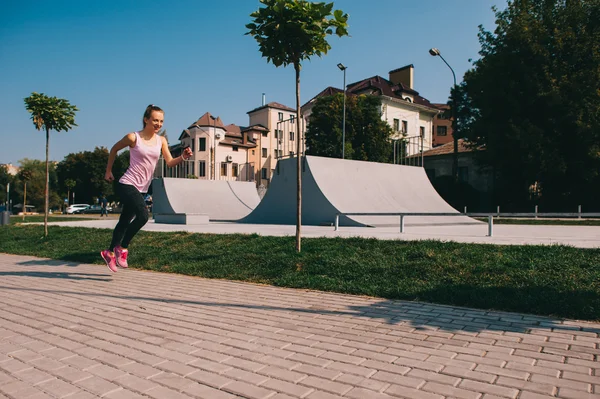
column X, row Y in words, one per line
column 269, row 117
column 442, row 119
column 478, row 177
column 415, row 119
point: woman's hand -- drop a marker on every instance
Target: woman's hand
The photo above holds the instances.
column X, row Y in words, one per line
column 109, row 176
column 187, row 153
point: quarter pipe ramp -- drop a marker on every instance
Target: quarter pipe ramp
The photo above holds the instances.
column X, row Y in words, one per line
column 331, row 186
column 222, row 200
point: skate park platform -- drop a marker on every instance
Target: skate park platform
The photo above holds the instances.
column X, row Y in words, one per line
column 332, row 186
column 221, row 200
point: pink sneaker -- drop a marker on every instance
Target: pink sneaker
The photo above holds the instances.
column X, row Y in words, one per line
column 121, row 255
column 109, row 258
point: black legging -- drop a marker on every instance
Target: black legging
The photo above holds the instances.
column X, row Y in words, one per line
column 134, row 215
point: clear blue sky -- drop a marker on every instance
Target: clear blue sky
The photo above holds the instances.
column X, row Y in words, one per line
column 112, row 59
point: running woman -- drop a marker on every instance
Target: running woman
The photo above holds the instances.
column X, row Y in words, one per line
column 145, row 147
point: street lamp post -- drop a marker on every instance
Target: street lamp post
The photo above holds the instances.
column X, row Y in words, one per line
column 435, row 52
column 214, row 172
column 343, row 69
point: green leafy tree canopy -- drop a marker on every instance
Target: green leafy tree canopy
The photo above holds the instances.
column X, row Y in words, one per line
column 50, row 113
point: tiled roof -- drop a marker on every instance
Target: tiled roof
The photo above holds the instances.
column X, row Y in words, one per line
column 257, row 127
column 236, row 142
column 329, row 91
column 207, row 121
column 387, row 88
column 273, row 105
column 448, row 148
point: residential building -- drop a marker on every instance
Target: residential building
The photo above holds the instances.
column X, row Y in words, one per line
column 438, row 163
column 442, row 125
column 219, row 152
column 410, row 115
column 278, row 140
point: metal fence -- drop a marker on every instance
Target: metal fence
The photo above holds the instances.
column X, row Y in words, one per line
column 408, row 150
column 286, row 133
column 192, row 169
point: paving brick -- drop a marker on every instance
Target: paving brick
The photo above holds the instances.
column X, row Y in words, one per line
column 162, row 393
column 404, row 392
column 546, row 389
column 135, row 383
column 573, row 394
column 286, row 387
column 247, row 390
column 492, row 389
column 322, row 384
column 97, row 385
column 58, row 388
column 33, row 376
column 361, row 382
column 449, row 390
column 361, row 393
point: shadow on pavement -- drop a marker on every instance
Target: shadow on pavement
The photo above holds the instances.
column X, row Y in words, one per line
column 60, row 275
column 391, row 312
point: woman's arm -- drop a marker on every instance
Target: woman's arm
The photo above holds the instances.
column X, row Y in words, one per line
column 187, row 153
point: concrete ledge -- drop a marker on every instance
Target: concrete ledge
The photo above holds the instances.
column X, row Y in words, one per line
column 181, row 218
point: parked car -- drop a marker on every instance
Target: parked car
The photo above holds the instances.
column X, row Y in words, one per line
column 96, row 209
column 76, row 208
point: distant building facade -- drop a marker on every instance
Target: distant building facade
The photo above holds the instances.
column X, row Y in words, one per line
column 410, row 115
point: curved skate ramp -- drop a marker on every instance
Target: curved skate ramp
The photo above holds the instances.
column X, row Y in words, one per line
column 222, row 200
column 331, row 186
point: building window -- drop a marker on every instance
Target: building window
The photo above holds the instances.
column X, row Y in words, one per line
column 422, row 131
column 234, row 170
column 291, row 136
column 280, row 116
column 292, row 118
column 291, row 154
column 396, row 124
column 223, row 168
column 202, row 144
column 235, row 148
column 192, row 145
column 202, row 168
column 463, row 174
column 253, row 152
column 442, row 130
column 263, row 173
column 278, row 134
column 265, row 134
column 275, row 153
column 264, row 153
column 404, row 127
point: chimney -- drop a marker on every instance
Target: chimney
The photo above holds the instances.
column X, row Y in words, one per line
column 403, row 75
column 263, row 99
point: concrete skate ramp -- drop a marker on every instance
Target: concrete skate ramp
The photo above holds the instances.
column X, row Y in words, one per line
column 331, row 186
column 222, row 200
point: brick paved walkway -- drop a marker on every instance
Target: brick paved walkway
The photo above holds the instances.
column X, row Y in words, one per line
column 76, row 331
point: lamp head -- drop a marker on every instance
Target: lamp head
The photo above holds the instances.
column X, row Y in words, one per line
column 341, row 66
column 434, row 51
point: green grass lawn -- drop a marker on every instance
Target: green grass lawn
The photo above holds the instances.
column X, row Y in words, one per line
column 544, row 280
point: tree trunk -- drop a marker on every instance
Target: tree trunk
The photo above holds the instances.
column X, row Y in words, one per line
column 299, row 162
column 46, row 194
column 24, row 200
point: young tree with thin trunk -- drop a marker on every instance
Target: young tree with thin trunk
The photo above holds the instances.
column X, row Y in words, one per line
column 289, row 32
column 50, row 113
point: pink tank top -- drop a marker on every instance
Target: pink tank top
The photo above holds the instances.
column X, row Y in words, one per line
column 142, row 162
